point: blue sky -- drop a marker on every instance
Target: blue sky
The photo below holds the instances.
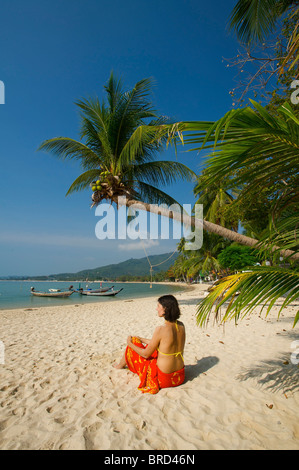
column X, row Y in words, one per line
column 53, row 53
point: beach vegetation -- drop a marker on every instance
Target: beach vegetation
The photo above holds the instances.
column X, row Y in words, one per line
column 193, row 264
column 237, row 257
column 254, row 149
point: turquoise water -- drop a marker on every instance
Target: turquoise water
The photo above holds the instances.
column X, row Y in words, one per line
column 16, row 294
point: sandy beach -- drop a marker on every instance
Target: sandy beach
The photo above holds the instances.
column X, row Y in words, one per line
column 59, row 390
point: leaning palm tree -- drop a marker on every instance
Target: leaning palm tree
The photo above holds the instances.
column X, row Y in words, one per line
column 255, row 149
column 119, row 142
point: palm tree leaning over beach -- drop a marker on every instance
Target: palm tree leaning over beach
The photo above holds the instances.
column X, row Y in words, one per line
column 119, row 141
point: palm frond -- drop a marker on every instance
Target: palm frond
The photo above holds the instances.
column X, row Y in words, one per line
column 240, row 293
column 244, row 138
column 153, row 195
column 282, row 233
column 64, row 147
column 137, row 145
column 133, row 107
column 114, row 91
column 163, row 172
column 83, row 181
column 254, row 20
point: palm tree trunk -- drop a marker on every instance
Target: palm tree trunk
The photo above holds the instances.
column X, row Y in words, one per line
column 206, row 225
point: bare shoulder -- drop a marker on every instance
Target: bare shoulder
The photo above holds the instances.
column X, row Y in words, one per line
column 158, row 331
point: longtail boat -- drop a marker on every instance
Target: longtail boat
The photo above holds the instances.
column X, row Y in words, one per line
column 51, row 294
column 104, row 294
column 94, row 291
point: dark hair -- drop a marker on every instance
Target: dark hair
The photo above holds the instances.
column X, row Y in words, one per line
column 171, row 307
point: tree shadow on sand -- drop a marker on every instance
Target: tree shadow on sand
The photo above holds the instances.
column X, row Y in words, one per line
column 203, row 365
column 275, row 375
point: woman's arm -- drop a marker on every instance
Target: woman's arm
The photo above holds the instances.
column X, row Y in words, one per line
column 143, row 340
column 152, row 344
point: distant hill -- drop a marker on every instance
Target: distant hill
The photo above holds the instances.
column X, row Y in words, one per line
column 132, row 268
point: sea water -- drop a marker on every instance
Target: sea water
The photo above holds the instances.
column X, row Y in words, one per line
column 17, row 294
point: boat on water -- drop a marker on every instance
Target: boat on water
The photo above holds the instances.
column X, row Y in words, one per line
column 103, row 294
column 51, row 294
column 101, row 289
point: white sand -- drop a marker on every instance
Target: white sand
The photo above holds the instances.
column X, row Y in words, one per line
column 58, row 389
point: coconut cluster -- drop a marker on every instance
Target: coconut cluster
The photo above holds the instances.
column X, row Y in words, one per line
column 109, row 187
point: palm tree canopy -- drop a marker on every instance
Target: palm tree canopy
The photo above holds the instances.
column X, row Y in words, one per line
column 253, row 149
column 249, row 145
column 119, row 143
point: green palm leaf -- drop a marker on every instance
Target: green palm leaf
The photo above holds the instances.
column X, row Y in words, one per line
column 65, row 148
column 153, row 195
column 253, row 20
column 241, row 293
column 244, row 138
column 83, row 181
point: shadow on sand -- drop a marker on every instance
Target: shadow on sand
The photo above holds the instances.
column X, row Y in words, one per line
column 277, row 374
column 203, row 365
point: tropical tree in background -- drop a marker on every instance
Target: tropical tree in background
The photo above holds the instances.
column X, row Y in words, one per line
column 215, row 199
column 191, row 264
column 268, row 32
column 256, row 150
column 237, row 257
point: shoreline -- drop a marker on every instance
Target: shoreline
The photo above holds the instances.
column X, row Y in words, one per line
column 184, row 286
column 59, row 389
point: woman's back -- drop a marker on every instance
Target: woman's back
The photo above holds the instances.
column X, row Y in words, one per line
column 171, row 347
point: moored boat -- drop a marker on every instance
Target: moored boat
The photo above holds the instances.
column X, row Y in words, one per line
column 103, row 294
column 95, row 291
column 51, row 294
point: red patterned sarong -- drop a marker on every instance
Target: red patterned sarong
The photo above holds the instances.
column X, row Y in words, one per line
column 151, row 377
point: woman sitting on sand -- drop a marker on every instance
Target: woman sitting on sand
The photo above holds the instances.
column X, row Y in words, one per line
column 160, row 363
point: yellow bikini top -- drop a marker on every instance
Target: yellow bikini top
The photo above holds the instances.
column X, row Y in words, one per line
column 176, row 354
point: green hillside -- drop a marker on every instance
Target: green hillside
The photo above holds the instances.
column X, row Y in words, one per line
column 131, row 268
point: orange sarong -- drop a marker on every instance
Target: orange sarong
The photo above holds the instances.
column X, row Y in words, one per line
column 151, row 377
